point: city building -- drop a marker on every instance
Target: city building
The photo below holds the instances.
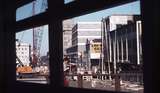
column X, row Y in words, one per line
column 122, row 37
column 67, row 34
column 23, row 53
column 117, row 20
column 94, row 48
column 82, row 32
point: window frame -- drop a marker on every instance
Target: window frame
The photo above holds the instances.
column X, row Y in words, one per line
column 67, row 11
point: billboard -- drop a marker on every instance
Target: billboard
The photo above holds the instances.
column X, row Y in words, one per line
column 95, row 50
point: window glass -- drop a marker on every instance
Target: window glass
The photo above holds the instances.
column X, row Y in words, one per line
column 31, row 9
column 33, row 61
column 68, row 1
column 104, row 50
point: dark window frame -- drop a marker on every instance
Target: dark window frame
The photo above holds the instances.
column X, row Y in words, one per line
column 71, row 10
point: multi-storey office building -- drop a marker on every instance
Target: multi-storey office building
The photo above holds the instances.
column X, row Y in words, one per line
column 82, row 32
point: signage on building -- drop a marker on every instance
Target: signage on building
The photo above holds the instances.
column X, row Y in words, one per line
column 95, row 50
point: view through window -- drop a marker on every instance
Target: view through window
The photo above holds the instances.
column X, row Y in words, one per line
column 31, row 9
column 32, row 55
column 103, row 50
column 68, row 1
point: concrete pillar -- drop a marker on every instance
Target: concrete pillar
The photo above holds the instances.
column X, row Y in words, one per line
column 110, row 48
column 138, row 29
column 126, row 49
column 114, row 51
column 122, row 59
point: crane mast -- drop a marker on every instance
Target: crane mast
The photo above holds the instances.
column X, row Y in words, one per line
column 37, row 34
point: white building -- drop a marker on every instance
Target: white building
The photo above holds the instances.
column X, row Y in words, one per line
column 117, row 20
column 23, row 53
column 81, row 32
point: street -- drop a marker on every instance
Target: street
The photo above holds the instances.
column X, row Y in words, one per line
column 108, row 85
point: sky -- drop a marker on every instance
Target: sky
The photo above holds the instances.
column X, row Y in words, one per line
column 131, row 8
column 26, row 11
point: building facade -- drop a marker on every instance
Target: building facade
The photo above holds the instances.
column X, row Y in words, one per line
column 82, row 32
column 122, row 42
column 23, row 53
column 67, row 34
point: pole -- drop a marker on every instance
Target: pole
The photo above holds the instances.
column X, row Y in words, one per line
column 126, row 47
column 89, row 58
column 114, row 46
column 117, row 51
column 138, row 42
column 110, row 47
column 34, row 47
column 121, row 50
column 110, row 57
column 88, row 54
column 107, row 48
column 102, row 47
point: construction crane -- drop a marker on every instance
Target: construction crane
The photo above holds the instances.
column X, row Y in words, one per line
column 21, row 69
column 37, row 35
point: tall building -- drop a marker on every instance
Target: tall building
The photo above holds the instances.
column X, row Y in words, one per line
column 23, row 53
column 82, row 32
column 67, row 34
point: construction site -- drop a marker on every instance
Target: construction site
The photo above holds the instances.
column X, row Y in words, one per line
column 31, row 65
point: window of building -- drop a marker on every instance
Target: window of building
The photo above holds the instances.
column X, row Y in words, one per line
column 34, row 8
column 34, row 57
column 114, row 64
